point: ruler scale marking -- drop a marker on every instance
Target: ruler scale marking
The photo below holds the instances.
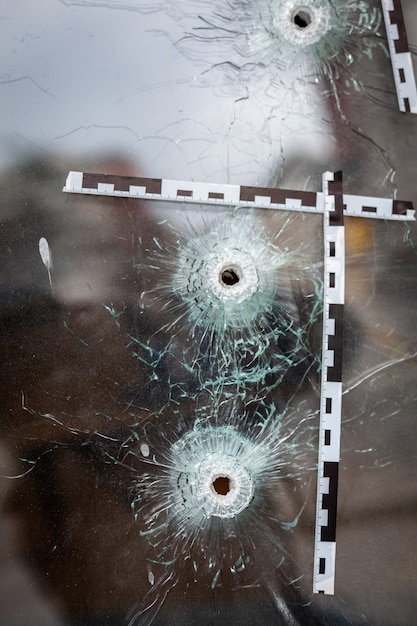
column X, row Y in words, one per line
column 402, row 64
column 331, row 385
column 232, row 195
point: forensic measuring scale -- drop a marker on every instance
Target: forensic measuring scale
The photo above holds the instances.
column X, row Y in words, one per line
column 334, row 205
column 402, row 66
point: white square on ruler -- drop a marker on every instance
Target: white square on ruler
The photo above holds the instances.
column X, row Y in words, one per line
column 137, row 191
column 105, row 188
column 263, row 200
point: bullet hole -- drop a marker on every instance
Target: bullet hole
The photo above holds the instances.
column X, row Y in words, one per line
column 221, row 485
column 302, row 18
column 229, row 277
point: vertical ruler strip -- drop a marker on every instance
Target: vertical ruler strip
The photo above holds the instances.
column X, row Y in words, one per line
column 402, row 65
column 331, row 385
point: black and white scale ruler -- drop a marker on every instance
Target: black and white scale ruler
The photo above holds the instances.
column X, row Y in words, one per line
column 232, row 195
column 402, row 65
column 334, row 205
column 331, row 385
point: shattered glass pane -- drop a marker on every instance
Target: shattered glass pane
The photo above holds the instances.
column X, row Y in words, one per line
column 233, row 299
column 162, row 361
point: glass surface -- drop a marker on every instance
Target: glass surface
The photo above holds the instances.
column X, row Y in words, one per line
column 161, row 369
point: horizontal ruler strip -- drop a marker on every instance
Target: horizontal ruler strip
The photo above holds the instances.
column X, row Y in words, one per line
column 331, row 385
column 402, row 65
column 232, row 195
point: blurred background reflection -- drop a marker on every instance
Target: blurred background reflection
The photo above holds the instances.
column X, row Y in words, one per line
column 186, row 90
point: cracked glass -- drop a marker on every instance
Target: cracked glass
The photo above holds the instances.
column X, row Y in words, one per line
column 162, row 359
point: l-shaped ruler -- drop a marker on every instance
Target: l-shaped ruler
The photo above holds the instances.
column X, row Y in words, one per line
column 334, row 205
column 402, row 65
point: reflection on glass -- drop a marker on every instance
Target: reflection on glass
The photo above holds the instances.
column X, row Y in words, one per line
column 160, row 388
